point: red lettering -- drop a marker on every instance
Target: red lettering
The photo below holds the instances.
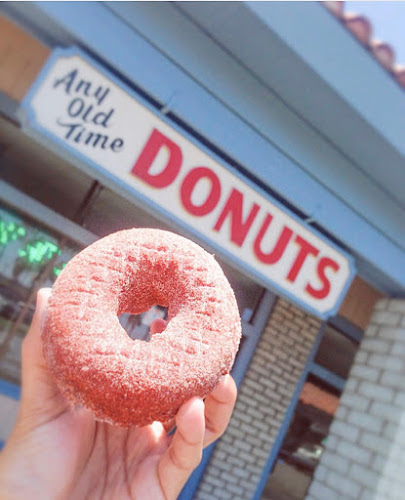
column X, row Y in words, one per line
column 323, row 264
column 150, row 151
column 234, row 208
column 187, row 188
column 278, row 250
column 305, row 250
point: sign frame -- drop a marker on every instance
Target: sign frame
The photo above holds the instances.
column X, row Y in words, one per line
column 32, row 127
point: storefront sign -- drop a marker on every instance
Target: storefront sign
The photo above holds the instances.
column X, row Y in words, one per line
column 96, row 117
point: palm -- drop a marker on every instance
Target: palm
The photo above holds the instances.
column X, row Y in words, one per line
column 83, row 458
column 121, row 463
column 67, row 454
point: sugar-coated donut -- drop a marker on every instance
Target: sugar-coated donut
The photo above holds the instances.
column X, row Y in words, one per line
column 132, row 382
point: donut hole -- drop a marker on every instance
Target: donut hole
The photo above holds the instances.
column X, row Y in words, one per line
column 137, row 326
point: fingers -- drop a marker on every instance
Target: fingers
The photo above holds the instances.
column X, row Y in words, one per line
column 32, row 357
column 40, row 396
column 218, row 409
column 157, row 326
column 198, row 425
column 185, row 452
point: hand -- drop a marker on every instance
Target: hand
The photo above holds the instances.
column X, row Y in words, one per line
column 56, row 452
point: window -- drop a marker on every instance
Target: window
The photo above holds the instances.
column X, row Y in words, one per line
column 336, row 352
column 29, row 255
column 318, row 401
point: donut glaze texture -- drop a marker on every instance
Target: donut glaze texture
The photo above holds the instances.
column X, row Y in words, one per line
column 132, row 382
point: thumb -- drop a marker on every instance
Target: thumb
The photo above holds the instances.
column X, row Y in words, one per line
column 40, row 397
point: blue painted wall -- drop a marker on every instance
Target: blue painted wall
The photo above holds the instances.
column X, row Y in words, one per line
column 251, row 123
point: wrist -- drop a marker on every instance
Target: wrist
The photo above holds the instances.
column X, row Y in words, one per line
column 10, row 475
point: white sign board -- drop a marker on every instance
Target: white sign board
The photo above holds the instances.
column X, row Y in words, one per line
column 78, row 105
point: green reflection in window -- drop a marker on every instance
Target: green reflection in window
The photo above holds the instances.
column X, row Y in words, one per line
column 10, row 231
column 38, row 251
column 35, row 252
column 57, row 270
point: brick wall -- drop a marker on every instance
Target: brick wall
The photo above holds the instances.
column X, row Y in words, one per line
column 364, row 457
column 276, row 367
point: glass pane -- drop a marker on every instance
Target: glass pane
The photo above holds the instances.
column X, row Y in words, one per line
column 336, row 352
column 304, row 442
column 28, row 254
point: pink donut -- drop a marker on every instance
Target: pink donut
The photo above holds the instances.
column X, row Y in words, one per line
column 132, row 382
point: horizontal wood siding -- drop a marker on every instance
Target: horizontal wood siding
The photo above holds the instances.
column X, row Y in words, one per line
column 359, row 303
column 21, row 58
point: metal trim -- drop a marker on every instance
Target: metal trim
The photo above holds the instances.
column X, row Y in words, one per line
column 10, row 390
column 347, row 328
column 35, row 210
column 327, row 376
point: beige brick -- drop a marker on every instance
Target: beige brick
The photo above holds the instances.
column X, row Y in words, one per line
column 206, row 488
column 341, row 412
column 392, row 333
column 367, row 495
column 388, row 363
column 381, row 305
column 245, row 457
column 213, row 481
column 221, row 494
column 397, row 305
column 378, row 463
column 376, row 392
column 320, row 472
column 202, row 495
column 351, row 385
column 332, row 443
column 362, row 356
column 386, row 410
column 353, row 452
column 365, row 372
column 348, row 487
column 400, row 400
column 322, row 492
column 240, row 472
column 335, row 462
column 375, row 443
column 355, row 401
column 390, row 431
column 344, row 430
column 393, row 379
column 242, row 445
column 233, row 489
column 375, row 345
column 386, row 318
column 372, row 330
column 365, row 421
column 398, row 349
column 363, row 475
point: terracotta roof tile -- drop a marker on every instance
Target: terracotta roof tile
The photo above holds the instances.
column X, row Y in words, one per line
column 362, row 29
column 384, row 53
column 360, row 26
column 400, row 74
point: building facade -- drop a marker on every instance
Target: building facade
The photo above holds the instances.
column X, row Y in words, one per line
column 269, row 135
